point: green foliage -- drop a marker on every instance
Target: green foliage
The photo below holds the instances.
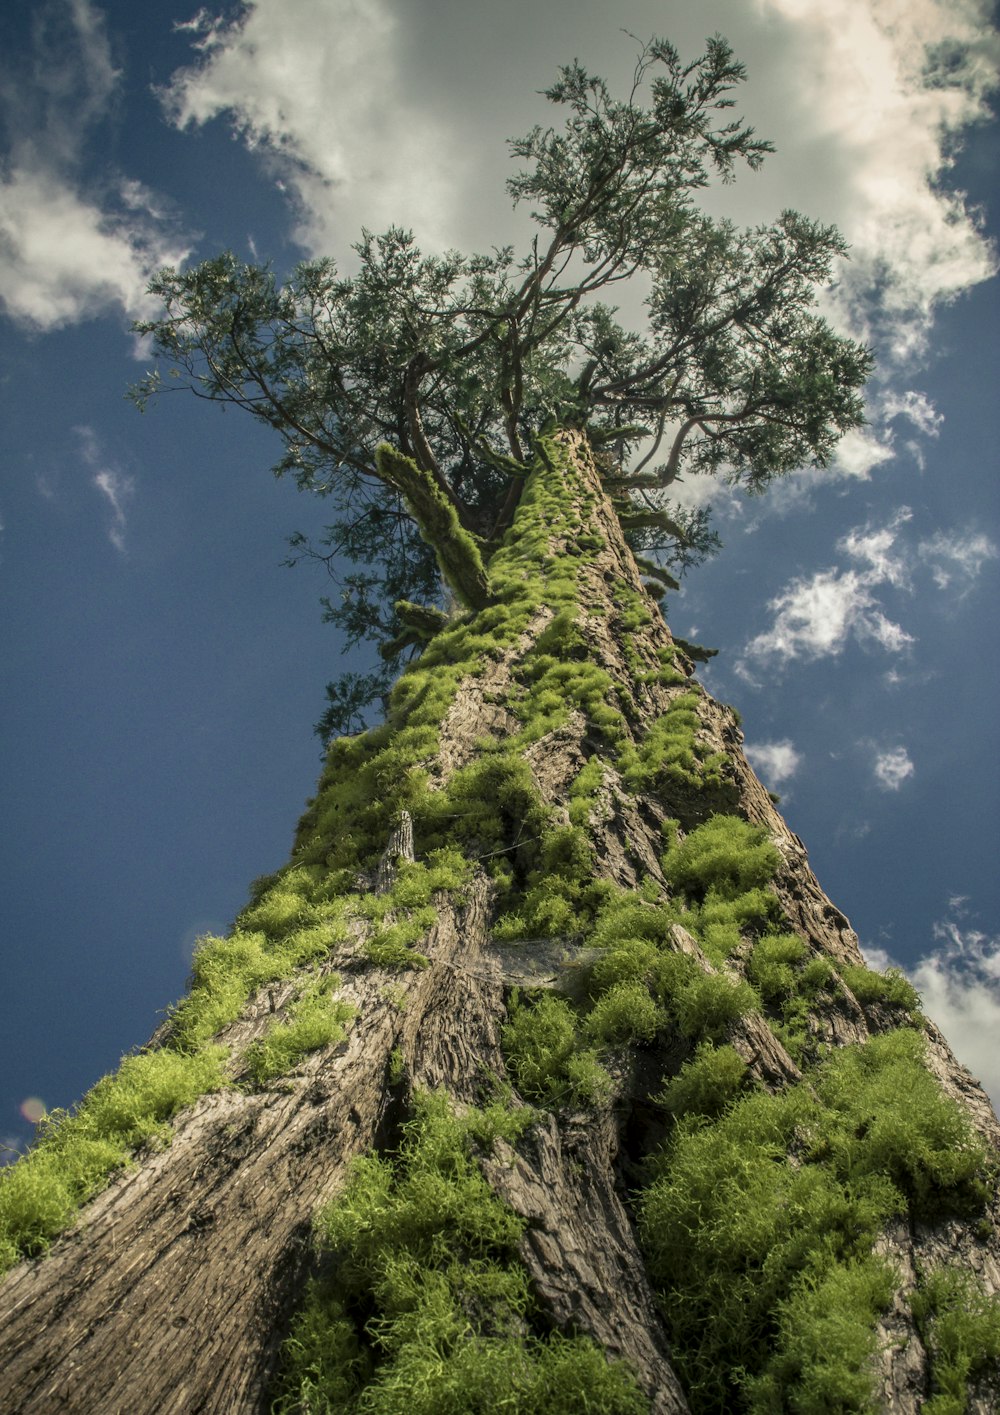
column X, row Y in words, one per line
column 316, row 1020
column 725, row 855
column 76, row 1152
column 890, row 987
column 706, row 1084
column 437, row 353
column 960, row 1326
column 425, row 1307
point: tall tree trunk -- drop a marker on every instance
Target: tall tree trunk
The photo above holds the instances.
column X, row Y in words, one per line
column 177, row 1284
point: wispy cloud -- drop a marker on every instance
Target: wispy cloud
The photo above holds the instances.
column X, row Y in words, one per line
column 113, row 484
column 774, row 762
column 959, row 982
column 892, row 767
column 818, row 616
column 956, row 555
column 67, row 250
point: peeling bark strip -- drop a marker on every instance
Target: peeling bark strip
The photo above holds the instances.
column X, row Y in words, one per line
column 175, row 1289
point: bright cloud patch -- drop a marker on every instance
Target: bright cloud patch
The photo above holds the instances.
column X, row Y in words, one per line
column 774, row 762
column 49, row 279
column 320, row 91
column 960, row 986
column 816, row 617
column 889, row 87
column 66, row 254
column 892, row 767
column 955, row 555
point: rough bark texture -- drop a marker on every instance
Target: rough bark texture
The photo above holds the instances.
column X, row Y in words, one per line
column 174, row 1289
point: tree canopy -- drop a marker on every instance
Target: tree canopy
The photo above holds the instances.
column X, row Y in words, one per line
column 458, row 362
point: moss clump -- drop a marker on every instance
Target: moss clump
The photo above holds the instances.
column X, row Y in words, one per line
column 317, row 1019
column 547, row 1055
column 706, row 1084
column 726, row 856
column 76, row 1152
column 890, row 987
column 960, row 1326
column 762, row 1210
column 426, row 1307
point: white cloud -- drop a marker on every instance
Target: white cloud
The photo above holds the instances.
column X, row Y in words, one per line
column 858, row 451
column 917, row 407
column 325, row 94
column 817, row 617
column 951, row 554
column 67, row 253
column 959, row 983
column 876, row 547
column 774, row 762
column 117, row 488
column 48, row 278
column 887, row 89
column 892, row 767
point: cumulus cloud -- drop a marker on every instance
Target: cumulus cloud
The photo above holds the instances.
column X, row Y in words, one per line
column 959, row 982
column 325, row 95
column 68, row 252
column 116, row 488
column 819, row 615
column 774, row 762
column 889, row 87
column 892, row 767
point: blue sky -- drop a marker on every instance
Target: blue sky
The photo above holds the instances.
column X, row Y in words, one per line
column 163, row 669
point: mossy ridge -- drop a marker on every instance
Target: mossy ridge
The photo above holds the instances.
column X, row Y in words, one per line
column 422, row 1305
column 761, row 1212
column 303, row 912
column 959, row 1323
column 868, row 1134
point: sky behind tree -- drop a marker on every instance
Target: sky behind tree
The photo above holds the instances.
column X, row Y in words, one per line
column 163, row 668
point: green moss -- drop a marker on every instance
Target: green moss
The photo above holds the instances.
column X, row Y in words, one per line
column 76, row 1152
column 545, row 1053
column 317, row 1019
column 706, row 1084
column 426, row 1307
column 773, row 964
column 826, row 1342
column 960, row 1326
column 890, row 987
column 726, row 855
column 624, row 1013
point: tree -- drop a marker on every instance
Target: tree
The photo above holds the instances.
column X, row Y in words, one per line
column 544, row 1075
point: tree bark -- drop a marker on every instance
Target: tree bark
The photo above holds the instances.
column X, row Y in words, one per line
column 175, row 1287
